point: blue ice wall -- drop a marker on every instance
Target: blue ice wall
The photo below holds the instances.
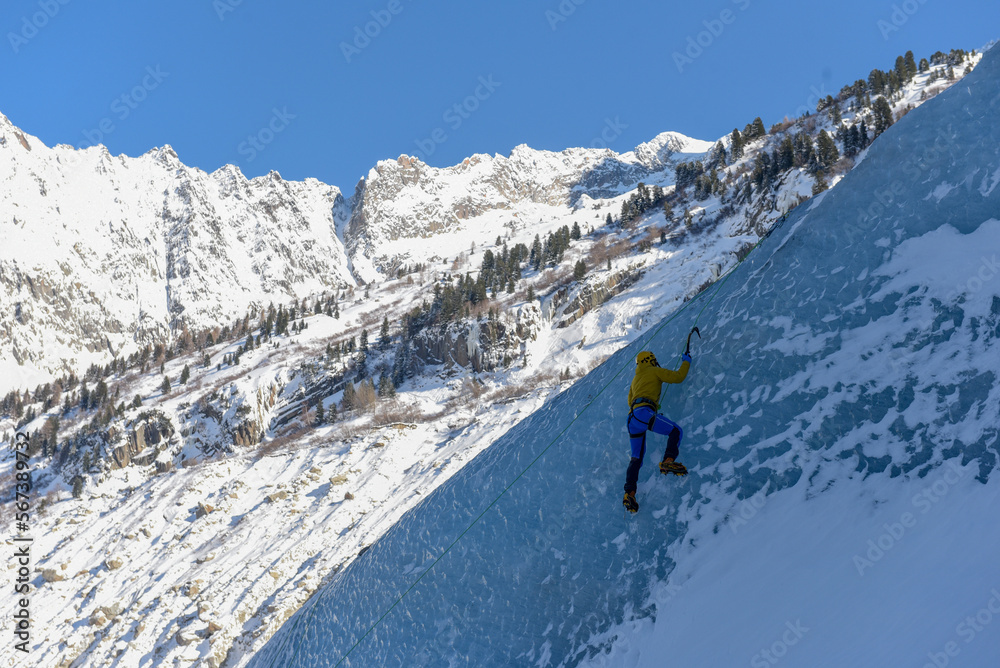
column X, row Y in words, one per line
column 863, row 330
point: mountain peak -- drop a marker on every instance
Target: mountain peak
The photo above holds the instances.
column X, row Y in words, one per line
column 655, row 153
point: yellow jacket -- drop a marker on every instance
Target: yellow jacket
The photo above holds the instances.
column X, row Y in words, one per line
column 649, row 379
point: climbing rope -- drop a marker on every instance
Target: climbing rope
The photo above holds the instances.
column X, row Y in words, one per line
column 716, row 287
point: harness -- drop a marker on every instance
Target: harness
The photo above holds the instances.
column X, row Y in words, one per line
column 641, row 401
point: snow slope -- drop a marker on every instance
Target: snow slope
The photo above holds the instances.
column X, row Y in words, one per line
column 846, row 384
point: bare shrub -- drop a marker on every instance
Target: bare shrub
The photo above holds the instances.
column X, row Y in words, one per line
column 506, row 393
column 557, row 277
column 618, row 249
column 396, row 412
column 782, row 126
column 370, row 319
column 472, row 389
column 349, row 431
column 598, row 255
column 842, row 166
column 365, row 396
column 283, row 442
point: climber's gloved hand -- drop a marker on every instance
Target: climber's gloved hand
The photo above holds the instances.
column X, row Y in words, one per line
column 686, row 357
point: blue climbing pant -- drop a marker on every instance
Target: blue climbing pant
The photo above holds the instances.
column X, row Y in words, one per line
column 640, row 420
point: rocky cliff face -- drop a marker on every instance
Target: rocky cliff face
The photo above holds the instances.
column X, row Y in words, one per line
column 103, row 254
column 481, row 345
column 404, row 199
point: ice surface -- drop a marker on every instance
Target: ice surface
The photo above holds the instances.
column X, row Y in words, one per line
column 854, row 351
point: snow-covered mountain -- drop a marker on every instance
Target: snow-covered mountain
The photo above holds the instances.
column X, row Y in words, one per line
column 840, row 427
column 403, row 205
column 104, row 254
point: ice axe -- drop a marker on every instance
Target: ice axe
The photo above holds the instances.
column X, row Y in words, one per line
column 694, row 330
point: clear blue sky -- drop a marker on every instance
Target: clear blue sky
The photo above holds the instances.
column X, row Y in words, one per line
column 206, row 75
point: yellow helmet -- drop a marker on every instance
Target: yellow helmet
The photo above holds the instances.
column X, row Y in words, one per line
column 646, row 357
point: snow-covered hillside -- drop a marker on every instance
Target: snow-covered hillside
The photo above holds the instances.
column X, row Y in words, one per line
column 190, row 498
column 840, row 428
column 105, row 254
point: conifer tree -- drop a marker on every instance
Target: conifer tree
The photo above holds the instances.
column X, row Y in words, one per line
column 900, row 69
column 185, row 375
column 911, row 65
column 835, row 115
column 165, row 385
column 383, row 334
column 579, row 270
column 826, row 150
column 883, row 115
column 536, row 258
column 737, row 145
column 348, row 400
column 820, row 185
column 786, row 154
column 386, row 390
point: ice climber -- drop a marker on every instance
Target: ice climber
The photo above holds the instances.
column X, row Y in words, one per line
column 643, row 402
